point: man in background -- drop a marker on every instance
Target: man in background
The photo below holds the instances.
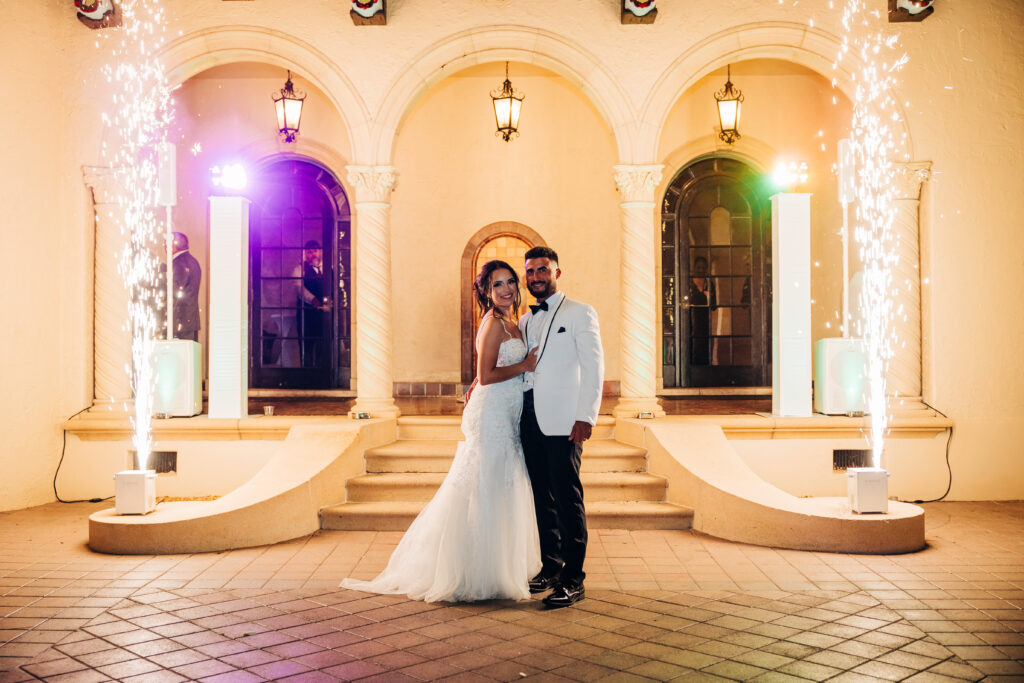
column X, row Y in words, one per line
column 187, row 275
column 314, row 304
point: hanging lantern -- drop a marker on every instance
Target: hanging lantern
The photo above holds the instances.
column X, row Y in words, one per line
column 288, row 104
column 507, row 105
column 728, row 100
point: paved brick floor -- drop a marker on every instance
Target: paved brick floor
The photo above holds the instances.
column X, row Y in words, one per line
column 661, row 605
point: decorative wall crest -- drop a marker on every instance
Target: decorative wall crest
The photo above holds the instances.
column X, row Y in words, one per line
column 369, row 12
column 98, row 13
column 910, row 10
column 639, row 11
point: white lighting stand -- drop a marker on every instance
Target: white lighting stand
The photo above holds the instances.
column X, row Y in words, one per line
column 229, row 304
column 791, row 304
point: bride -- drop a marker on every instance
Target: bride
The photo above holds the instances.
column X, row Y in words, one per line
column 477, row 539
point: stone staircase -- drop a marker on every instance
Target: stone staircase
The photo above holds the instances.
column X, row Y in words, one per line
column 402, row 476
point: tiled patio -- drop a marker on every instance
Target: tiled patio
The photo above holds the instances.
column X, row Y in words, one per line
column 661, row 605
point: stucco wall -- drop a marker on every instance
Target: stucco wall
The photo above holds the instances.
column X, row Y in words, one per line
column 457, row 177
column 34, row 294
column 963, row 111
column 968, row 118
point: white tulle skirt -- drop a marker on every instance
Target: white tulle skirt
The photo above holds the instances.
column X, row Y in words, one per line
column 477, row 539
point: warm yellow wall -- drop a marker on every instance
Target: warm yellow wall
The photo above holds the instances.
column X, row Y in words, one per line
column 788, row 114
column 456, row 177
column 33, row 287
column 228, row 112
column 967, row 116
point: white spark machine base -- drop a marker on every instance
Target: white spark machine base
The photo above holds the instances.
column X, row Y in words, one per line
column 135, row 492
column 868, row 489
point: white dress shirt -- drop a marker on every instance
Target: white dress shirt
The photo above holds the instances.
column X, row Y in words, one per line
column 534, row 329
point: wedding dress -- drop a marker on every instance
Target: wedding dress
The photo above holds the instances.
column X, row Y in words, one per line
column 477, row 539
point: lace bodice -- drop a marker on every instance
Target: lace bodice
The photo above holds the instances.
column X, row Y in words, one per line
column 511, row 351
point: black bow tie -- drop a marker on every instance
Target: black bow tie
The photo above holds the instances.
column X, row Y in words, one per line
column 542, row 306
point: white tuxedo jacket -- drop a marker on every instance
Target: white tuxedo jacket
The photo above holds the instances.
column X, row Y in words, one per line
column 568, row 381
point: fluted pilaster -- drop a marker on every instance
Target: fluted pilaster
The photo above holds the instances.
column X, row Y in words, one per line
column 112, row 344
column 638, row 364
column 903, row 379
column 373, row 332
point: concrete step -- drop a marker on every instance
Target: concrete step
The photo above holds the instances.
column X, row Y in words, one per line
column 446, row 427
column 398, row 515
column 435, row 455
column 421, row 486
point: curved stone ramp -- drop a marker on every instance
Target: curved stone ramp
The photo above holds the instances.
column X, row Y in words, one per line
column 730, row 501
column 281, row 502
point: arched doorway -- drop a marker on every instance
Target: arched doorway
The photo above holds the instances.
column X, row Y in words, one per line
column 507, row 241
column 716, row 266
column 300, row 305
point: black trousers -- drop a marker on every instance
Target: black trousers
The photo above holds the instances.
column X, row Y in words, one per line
column 554, row 466
column 314, row 346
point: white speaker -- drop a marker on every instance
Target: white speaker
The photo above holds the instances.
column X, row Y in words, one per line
column 840, row 376
column 167, row 177
column 177, row 368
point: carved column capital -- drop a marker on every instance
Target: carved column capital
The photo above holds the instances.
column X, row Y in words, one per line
column 102, row 182
column 909, row 177
column 372, row 183
column 637, row 183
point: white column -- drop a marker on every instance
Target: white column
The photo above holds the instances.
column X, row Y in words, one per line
column 791, row 304
column 229, row 307
column 373, row 332
column 903, row 379
column 638, row 316
column 112, row 343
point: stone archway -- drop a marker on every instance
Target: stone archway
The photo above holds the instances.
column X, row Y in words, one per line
column 810, row 47
column 498, row 44
column 470, row 255
column 192, row 54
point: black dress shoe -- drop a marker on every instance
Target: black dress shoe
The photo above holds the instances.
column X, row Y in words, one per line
column 543, row 582
column 565, row 595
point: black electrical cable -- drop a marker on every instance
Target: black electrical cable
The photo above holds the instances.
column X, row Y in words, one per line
column 949, row 469
column 63, row 448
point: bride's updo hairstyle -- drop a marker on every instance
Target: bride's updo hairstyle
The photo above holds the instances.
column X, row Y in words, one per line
column 482, row 287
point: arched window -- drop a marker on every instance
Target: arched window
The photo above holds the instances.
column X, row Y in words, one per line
column 716, row 254
column 505, row 240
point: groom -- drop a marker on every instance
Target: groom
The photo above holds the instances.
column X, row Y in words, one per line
column 560, row 404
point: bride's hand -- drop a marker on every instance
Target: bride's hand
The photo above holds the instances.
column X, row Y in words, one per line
column 530, row 362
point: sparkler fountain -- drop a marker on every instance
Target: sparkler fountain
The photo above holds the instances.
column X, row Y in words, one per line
column 140, row 116
column 875, row 147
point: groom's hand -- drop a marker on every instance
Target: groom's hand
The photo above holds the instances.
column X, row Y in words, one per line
column 580, row 432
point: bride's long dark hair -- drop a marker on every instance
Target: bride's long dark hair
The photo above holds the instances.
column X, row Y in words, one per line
column 482, row 288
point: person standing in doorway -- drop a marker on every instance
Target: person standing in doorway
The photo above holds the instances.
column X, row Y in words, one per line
column 313, row 303
column 561, row 399
column 187, row 276
column 702, row 299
